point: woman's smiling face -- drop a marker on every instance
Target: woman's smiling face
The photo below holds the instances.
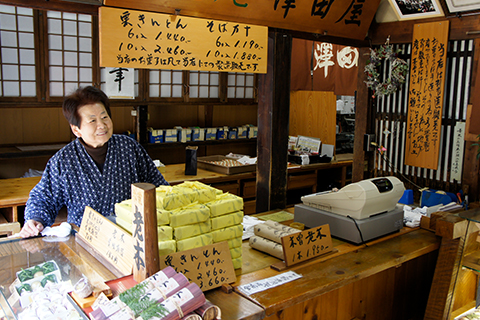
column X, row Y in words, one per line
column 96, row 127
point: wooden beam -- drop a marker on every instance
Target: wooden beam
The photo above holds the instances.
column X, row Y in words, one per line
column 86, row 6
column 273, row 121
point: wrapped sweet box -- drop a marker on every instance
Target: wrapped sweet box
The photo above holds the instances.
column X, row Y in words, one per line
column 192, row 230
column 227, row 220
column 194, row 242
column 225, row 203
column 227, row 233
column 191, row 214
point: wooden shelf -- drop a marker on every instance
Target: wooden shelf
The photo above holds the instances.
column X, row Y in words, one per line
column 472, row 261
column 200, row 143
column 16, row 152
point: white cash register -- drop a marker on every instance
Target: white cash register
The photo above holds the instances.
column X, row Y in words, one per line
column 358, row 212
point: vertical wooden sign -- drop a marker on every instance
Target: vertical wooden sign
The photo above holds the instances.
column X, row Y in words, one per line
column 425, row 100
column 145, row 237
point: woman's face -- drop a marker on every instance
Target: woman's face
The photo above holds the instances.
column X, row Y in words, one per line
column 96, row 127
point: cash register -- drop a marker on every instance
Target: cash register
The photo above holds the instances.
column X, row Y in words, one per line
column 358, row 212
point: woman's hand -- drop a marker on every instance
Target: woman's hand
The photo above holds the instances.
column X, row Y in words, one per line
column 31, row 228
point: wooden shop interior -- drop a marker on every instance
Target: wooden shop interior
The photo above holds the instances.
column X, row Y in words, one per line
column 312, row 84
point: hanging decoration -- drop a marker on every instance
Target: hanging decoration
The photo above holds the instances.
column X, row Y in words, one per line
column 398, row 70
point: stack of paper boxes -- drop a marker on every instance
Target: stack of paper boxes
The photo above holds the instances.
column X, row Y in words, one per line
column 192, row 215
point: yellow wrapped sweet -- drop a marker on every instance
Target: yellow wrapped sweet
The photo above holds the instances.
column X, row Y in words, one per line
column 169, row 198
column 164, row 232
column 235, row 242
column 227, row 233
column 237, row 263
column 191, row 214
column 167, row 247
column 236, row 252
column 124, row 211
column 194, row 242
column 225, row 203
column 227, row 220
column 127, row 225
column 192, row 230
column 200, row 191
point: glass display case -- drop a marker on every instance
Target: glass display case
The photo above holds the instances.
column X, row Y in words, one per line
column 471, row 259
column 37, row 274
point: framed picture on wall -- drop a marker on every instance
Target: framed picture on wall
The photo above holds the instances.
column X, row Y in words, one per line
column 416, row 9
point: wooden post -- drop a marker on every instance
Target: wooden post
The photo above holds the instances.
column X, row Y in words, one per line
column 145, row 236
column 273, row 122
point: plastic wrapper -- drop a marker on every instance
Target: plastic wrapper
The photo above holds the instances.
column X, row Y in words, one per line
column 268, row 246
column 191, row 214
column 167, row 247
column 177, row 306
column 227, row 233
column 225, row 203
column 194, row 242
column 192, row 230
column 227, row 220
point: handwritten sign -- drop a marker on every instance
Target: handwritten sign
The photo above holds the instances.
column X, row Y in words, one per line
column 457, row 156
column 264, row 284
column 111, row 242
column 425, row 100
column 208, row 266
column 136, row 39
column 306, row 245
column 342, row 18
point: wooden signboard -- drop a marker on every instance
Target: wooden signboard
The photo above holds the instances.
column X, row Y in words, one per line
column 145, row 234
column 136, row 39
column 105, row 240
column 341, row 18
column 209, row 266
column 306, row 245
column 425, row 99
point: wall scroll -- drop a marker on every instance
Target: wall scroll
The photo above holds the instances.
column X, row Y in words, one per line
column 425, row 100
column 136, row 39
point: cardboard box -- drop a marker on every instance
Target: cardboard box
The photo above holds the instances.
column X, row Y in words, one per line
column 210, row 133
column 252, row 132
column 222, row 133
column 171, row 135
column 242, row 132
column 198, row 134
column 232, row 133
column 155, row 136
column 184, row 134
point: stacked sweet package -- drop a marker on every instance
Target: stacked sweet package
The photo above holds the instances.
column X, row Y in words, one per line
column 268, row 237
column 165, row 295
column 226, row 218
column 192, row 215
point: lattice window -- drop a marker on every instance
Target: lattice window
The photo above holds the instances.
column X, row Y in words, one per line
column 70, row 52
column 165, row 83
column 241, row 85
column 204, row 84
column 17, row 55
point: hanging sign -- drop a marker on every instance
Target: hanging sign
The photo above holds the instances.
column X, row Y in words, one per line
column 120, row 83
column 136, row 39
column 425, row 100
column 457, row 156
column 340, row 18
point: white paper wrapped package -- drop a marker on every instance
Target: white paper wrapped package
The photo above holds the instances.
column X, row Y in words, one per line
column 191, row 214
column 192, row 230
column 227, row 233
column 227, row 220
column 225, row 203
column 194, row 242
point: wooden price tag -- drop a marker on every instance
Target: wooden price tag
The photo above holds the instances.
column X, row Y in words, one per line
column 308, row 244
column 208, row 266
column 107, row 242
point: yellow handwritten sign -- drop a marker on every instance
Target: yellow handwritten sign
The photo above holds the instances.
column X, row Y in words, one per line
column 341, row 18
column 306, row 245
column 136, row 39
column 208, row 266
column 425, row 100
column 110, row 241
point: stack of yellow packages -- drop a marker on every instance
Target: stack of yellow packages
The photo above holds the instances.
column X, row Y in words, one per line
column 124, row 219
column 226, row 218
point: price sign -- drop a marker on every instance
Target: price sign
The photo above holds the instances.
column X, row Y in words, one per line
column 208, row 266
column 109, row 241
column 308, row 244
column 136, row 39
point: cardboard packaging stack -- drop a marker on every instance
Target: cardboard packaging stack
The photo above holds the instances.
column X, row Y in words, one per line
column 192, row 215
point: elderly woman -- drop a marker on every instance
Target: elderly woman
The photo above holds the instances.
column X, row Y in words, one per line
column 95, row 170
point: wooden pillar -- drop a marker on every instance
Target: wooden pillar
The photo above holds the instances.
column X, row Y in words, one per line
column 145, row 235
column 273, row 121
column 362, row 114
